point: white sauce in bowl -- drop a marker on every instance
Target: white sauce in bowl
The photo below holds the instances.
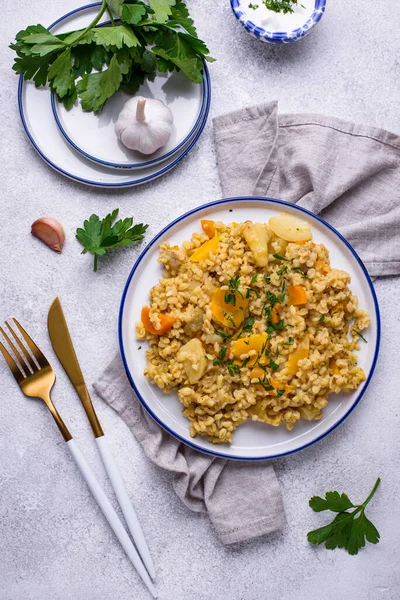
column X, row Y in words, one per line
column 272, row 21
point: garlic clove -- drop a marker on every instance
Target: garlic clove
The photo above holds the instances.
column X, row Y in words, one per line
column 50, row 231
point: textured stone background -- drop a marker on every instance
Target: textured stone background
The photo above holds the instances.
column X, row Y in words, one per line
column 54, row 543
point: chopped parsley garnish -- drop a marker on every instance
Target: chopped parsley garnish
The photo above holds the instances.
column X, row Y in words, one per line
column 322, row 319
column 253, row 6
column 230, row 298
column 279, row 257
column 139, row 347
column 230, row 319
column 233, row 284
column 282, row 271
column 232, row 368
column 289, row 342
column 225, row 336
column 265, row 384
column 254, row 279
column 360, row 335
column 267, row 279
column 248, row 326
column 221, row 357
column 276, row 326
column 273, row 365
column 298, row 270
column 249, row 290
column 280, row 393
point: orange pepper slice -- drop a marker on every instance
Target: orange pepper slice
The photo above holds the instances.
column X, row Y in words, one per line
column 297, row 295
column 203, row 252
column 257, row 342
column 166, row 322
column 226, row 313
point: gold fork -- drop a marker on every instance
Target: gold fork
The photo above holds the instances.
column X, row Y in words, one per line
column 36, row 378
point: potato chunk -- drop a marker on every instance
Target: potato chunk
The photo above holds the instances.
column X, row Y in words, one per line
column 290, row 228
column 257, row 236
column 194, row 360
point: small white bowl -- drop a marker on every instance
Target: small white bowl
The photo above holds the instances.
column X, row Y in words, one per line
column 244, row 15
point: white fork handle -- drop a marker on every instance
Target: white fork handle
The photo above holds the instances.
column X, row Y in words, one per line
column 110, row 515
column 125, row 503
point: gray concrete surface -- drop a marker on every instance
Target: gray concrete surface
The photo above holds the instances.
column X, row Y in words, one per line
column 54, row 543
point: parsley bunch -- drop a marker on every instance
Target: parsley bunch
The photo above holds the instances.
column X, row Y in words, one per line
column 100, row 235
column 348, row 529
column 94, row 63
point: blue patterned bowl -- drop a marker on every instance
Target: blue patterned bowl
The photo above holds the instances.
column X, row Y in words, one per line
column 276, row 37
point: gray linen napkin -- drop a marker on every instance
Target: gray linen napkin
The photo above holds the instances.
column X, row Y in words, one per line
column 243, row 500
column 347, row 173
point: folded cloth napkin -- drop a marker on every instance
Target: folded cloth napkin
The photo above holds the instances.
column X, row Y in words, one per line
column 350, row 174
column 243, row 500
column 347, row 173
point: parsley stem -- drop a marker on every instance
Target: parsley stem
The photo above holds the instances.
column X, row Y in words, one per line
column 96, row 258
column 111, row 17
column 97, row 18
column 377, row 482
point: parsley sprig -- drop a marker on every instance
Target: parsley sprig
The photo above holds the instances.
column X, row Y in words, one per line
column 95, row 62
column 100, row 235
column 348, row 530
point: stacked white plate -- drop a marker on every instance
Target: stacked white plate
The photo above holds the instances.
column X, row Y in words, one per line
column 83, row 145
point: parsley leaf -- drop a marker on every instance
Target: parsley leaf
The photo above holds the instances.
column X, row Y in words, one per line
column 98, row 236
column 347, row 530
column 162, row 9
column 248, row 326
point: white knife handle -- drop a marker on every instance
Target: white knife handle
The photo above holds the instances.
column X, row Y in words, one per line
column 125, row 503
column 110, row 515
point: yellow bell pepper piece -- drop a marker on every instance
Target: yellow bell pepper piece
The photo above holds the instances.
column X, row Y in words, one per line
column 302, row 351
column 227, row 314
column 257, row 342
column 203, row 252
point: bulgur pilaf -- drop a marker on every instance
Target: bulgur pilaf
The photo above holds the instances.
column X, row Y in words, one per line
column 250, row 321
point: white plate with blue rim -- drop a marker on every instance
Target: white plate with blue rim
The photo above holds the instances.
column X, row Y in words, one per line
column 252, row 441
column 278, row 28
column 93, row 135
column 38, row 120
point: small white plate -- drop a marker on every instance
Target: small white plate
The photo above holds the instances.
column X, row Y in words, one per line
column 39, row 123
column 251, row 441
column 93, row 135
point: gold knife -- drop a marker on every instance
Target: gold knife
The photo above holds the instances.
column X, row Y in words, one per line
column 63, row 347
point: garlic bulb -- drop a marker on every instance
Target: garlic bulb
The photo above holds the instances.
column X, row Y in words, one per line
column 50, row 231
column 144, row 124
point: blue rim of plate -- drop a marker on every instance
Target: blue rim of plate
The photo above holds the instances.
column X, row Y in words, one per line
column 278, row 37
column 148, row 163
column 98, row 184
column 230, row 201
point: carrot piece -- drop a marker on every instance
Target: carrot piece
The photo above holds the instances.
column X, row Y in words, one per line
column 166, row 322
column 297, row 294
column 208, row 227
column 276, row 313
